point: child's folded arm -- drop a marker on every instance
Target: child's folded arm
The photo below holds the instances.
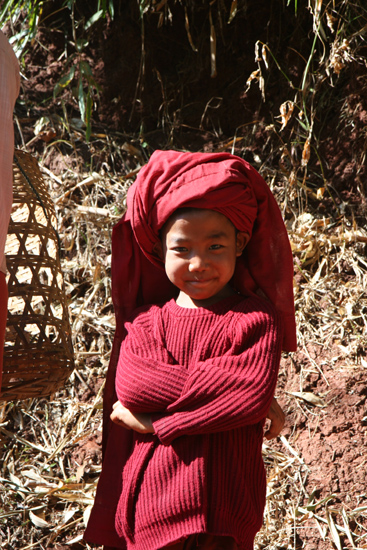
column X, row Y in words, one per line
column 147, row 378
column 148, row 386
column 216, row 399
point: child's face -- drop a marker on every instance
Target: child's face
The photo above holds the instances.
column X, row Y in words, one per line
column 200, row 248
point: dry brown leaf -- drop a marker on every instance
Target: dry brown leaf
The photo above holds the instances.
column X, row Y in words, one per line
column 333, row 530
column 309, row 397
column 253, row 76
column 347, row 529
column 86, row 514
column 48, row 135
column 318, row 8
column 233, row 11
column 94, row 210
column 286, row 110
column 76, row 539
column 188, row 32
column 31, row 474
column 75, row 497
column 68, row 514
column 340, row 55
column 292, row 178
column 322, row 529
column 160, row 5
column 310, row 249
column 97, row 272
column 257, row 52
column 290, row 449
column 306, row 152
column 320, row 192
column 213, row 48
column 262, row 87
column 80, row 472
column 330, row 19
column 38, row 521
column 133, row 151
column 15, row 480
column 264, row 55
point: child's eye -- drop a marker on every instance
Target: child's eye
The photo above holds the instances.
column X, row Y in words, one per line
column 180, row 249
column 216, row 246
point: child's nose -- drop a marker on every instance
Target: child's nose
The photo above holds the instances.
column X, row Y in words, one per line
column 197, row 263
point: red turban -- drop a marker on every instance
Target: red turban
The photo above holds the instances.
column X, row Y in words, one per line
column 216, row 181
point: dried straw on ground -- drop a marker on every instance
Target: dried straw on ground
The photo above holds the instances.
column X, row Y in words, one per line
column 47, row 484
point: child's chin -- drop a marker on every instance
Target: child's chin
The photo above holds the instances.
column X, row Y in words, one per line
column 202, row 296
column 206, row 299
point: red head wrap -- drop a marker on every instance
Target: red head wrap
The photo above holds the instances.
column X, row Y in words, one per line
column 216, row 181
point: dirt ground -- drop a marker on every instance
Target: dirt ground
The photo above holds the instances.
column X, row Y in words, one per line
column 330, row 439
column 185, row 108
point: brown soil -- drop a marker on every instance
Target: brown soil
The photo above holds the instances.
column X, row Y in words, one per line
column 331, row 440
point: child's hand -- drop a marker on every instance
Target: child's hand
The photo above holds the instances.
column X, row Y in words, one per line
column 139, row 422
column 277, row 420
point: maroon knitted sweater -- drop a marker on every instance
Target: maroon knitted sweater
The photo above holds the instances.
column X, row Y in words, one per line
column 208, row 376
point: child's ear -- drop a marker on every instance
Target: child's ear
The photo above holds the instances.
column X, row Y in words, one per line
column 242, row 239
column 158, row 250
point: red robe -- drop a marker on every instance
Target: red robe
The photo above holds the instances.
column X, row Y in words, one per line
column 171, row 180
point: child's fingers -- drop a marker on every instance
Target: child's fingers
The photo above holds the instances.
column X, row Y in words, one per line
column 114, row 416
column 271, row 434
column 277, row 420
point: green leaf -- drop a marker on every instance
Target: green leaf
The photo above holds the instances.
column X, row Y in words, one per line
column 144, row 6
column 111, row 9
column 303, row 125
column 19, row 42
column 81, row 99
column 95, row 17
column 88, row 119
column 86, row 71
column 80, row 44
column 4, row 10
column 64, row 81
column 85, row 68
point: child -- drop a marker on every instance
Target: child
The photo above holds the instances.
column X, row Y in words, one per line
column 197, row 368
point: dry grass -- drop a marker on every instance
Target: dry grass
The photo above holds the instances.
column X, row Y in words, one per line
column 331, row 303
column 46, row 494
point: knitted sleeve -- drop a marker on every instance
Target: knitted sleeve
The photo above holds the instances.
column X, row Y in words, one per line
column 147, row 377
column 232, row 391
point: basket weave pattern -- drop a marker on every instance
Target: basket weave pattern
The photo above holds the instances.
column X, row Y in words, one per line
column 38, row 352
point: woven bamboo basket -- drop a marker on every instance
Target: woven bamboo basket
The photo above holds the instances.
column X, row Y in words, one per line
column 38, row 352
